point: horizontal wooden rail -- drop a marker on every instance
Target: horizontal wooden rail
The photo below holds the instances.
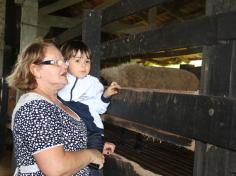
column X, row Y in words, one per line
column 148, row 131
column 205, row 118
column 207, row 30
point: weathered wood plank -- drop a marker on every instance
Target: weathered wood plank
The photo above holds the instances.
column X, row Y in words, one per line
column 148, row 131
column 170, row 53
column 57, row 6
column 115, row 11
column 226, row 26
column 171, row 36
column 69, row 34
column 56, row 21
column 91, row 35
column 217, row 161
column 205, row 118
column 127, row 7
column 29, row 22
column 213, row 29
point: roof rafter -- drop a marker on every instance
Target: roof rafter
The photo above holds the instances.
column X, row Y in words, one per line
column 57, row 6
column 118, row 10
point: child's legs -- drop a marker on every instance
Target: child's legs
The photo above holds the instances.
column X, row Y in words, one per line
column 95, row 141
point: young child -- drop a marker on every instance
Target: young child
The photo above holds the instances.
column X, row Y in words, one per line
column 85, row 94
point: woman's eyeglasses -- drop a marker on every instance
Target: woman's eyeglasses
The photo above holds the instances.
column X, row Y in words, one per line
column 53, row 62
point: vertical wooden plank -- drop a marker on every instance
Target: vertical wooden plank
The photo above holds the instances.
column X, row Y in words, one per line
column 29, row 22
column 2, row 33
column 232, row 93
column 232, row 86
column 2, row 44
column 28, row 32
column 91, row 35
column 218, row 77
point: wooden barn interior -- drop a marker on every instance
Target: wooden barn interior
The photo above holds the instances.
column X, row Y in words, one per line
column 161, row 123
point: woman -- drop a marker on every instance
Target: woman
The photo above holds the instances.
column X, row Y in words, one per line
column 49, row 138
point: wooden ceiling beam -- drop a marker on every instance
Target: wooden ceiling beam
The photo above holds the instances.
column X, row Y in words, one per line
column 57, row 21
column 172, row 13
column 117, row 28
column 128, row 7
column 118, row 10
column 106, row 4
column 61, row 4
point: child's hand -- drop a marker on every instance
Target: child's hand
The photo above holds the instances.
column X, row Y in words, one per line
column 112, row 89
column 108, row 148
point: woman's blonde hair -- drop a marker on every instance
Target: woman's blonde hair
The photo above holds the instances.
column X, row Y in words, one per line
column 21, row 76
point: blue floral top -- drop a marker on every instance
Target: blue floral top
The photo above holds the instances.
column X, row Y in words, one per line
column 38, row 125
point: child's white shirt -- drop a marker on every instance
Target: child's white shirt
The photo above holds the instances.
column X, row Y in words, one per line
column 87, row 90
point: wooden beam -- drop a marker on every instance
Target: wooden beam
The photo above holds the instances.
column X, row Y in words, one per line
column 69, row 34
column 226, row 28
column 117, row 28
column 127, row 7
column 171, row 53
column 58, row 21
column 148, row 131
column 152, row 15
column 29, row 22
column 106, row 4
column 74, row 24
column 168, row 37
column 168, row 53
column 118, row 10
column 173, row 13
column 57, row 6
column 67, row 22
column 174, row 36
column 76, row 30
column 91, row 35
column 211, row 160
column 206, row 118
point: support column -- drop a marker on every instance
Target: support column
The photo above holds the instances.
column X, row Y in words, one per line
column 29, row 21
column 91, row 35
column 28, row 25
column 2, row 45
column 218, row 78
column 2, row 33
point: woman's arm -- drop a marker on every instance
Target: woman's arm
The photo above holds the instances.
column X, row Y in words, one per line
column 56, row 161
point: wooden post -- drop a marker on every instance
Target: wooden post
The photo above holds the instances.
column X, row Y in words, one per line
column 29, row 22
column 2, row 44
column 2, row 32
column 91, row 35
column 218, row 78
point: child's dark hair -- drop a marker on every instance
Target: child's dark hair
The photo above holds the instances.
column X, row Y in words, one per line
column 70, row 49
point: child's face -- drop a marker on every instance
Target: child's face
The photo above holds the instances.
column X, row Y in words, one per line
column 79, row 65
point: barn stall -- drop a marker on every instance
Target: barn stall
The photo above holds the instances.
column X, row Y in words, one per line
column 146, row 119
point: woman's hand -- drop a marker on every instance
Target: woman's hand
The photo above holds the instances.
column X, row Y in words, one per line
column 97, row 157
column 112, row 89
column 108, row 148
